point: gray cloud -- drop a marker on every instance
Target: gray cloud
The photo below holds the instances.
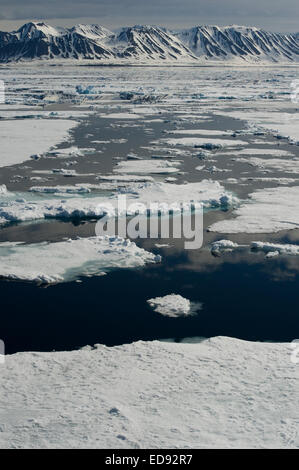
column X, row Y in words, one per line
column 270, row 14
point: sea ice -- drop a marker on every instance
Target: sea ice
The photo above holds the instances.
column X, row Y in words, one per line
column 208, row 193
column 215, row 393
column 278, row 164
column 223, row 246
column 277, row 248
column 210, row 132
column 68, row 260
column 249, row 152
column 205, row 143
column 76, row 189
column 3, row 189
column 160, row 167
column 279, row 123
column 267, row 210
column 172, row 305
column 22, row 138
column 121, row 116
column 125, row 178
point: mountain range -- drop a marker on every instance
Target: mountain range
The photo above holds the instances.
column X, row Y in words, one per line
column 148, row 45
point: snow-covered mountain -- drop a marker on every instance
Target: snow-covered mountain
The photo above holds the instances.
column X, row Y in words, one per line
column 92, row 43
column 151, row 42
column 41, row 41
column 148, row 44
column 241, row 42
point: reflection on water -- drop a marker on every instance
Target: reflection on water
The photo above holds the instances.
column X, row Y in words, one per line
column 243, row 296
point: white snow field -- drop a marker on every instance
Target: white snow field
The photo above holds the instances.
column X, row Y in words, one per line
column 267, row 210
column 66, row 261
column 19, row 139
column 218, row 393
column 172, row 305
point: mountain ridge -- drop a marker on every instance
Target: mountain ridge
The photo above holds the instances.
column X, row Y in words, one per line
column 144, row 44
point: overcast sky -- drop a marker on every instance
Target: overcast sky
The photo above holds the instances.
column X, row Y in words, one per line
column 274, row 15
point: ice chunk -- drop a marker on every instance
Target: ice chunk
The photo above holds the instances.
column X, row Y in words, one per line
column 172, row 305
column 223, row 246
column 274, row 249
column 3, row 189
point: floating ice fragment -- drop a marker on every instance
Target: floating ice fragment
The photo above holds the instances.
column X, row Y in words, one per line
column 68, row 260
column 171, row 305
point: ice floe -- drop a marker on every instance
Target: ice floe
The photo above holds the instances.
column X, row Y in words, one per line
column 125, row 178
column 171, row 305
column 121, row 116
column 280, row 124
column 210, row 132
column 270, row 249
column 205, row 143
column 223, row 246
column 73, row 151
column 206, row 193
column 22, row 138
column 3, row 189
column 253, row 151
column 275, row 249
column 278, row 164
column 154, row 166
column 267, row 210
column 76, row 189
column 68, row 260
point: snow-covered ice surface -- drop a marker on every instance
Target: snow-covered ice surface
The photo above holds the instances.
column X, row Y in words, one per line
column 66, row 261
column 16, row 208
column 22, row 138
column 267, row 210
column 219, row 393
